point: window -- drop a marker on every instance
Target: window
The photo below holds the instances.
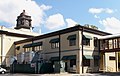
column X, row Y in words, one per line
column 72, row 42
column 95, row 42
column 86, row 42
column 38, row 48
column 115, row 43
column 86, row 62
column 96, row 62
column 55, row 45
column 72, row 62
column 111, row 58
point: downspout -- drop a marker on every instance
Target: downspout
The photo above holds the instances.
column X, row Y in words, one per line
column 82, row 51
column 59, row 53
column 99, row 53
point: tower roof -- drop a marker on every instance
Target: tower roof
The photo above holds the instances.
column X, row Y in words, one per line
column 23, row 21
column 23, row 13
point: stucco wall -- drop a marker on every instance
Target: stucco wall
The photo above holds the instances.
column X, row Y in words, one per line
column 110, row 64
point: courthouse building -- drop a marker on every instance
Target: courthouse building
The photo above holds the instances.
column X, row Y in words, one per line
column 9, row 36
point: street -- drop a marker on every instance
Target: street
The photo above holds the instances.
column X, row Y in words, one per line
column 64, row 74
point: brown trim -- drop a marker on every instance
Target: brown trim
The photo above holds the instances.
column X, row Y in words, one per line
column 67, row 30
column 15, row 34
column 110, row 50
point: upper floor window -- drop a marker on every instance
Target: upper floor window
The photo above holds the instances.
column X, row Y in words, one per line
column 95, row 41
column 72, row 40
column 86, row 40
column 33, row 47
column 38, row 46
column 54, row 43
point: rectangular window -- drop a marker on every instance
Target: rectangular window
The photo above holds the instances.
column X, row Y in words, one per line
column 115, row 43
column 72, row 42
column 86, row 62
column 72, row 62
column 55, row 45
column 38, row 48
column 111, row 58
column 110, row 44
column 95, row 42
column 86, row 42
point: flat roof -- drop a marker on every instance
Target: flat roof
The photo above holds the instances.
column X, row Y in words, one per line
column 110, row 36
column 63, row 31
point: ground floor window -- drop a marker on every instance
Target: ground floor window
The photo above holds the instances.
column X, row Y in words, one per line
column 72, row 62
column 86, row 62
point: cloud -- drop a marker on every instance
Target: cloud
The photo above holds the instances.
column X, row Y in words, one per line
column 55, row 21
column 108, row 10
column 96, row 16
column 71, row 22
column 111, row 24
column 44, row 7
column 100, row 10
column 10, row 9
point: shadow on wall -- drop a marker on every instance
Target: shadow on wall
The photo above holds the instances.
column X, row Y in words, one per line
column 7, row 60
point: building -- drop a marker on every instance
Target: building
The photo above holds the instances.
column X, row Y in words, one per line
column 74, row 49
column 9, row 36
column 110, row 55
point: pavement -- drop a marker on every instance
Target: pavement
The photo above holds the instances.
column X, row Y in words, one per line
column 64, row 74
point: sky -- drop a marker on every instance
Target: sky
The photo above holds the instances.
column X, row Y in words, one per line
column 52, row 15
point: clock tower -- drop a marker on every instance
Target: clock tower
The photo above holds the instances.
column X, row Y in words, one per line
column 23, row 21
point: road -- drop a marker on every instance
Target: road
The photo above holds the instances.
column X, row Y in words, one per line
column 87, row 74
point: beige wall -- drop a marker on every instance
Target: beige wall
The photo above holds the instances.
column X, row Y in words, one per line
column 8, row 48
column 7, row 45
column 110, row 64
column 65, row 42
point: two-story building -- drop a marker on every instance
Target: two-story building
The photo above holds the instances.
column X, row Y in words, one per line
column 75, row 49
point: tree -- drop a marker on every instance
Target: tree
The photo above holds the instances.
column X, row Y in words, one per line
column 91, row 26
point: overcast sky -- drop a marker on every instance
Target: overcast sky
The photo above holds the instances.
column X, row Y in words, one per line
column 52, row 15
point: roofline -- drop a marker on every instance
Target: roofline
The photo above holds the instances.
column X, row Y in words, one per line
column 15, row 34
column 63, row 31
column 110, row 37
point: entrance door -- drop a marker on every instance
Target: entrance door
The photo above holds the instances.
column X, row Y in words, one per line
column 65, row 66
column 56, row 67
